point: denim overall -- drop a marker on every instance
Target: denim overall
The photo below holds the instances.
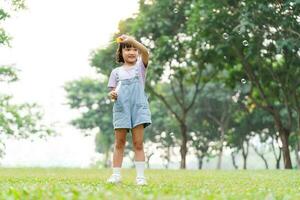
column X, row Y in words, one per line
column 131, row 107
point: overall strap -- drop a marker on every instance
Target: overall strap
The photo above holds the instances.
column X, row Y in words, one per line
column 136, row 71
column 117, row 75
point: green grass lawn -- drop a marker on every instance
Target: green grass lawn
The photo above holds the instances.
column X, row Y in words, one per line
column 36, row 183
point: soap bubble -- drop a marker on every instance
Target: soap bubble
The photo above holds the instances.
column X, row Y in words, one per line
column 243, row 81
column 225, row 36
column 245, row 43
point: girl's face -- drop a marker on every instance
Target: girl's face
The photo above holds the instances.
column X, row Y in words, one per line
column 130, row 54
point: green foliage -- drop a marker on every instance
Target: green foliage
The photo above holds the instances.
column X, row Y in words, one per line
column 255, row 41
column 251, row 47
column 4, row 38
column 8, row 74
column 104, row 59
column 6, row 9
column 90, row 97
column 260, row 36
column 21, row 120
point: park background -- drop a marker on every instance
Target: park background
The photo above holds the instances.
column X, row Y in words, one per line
column 222, row 80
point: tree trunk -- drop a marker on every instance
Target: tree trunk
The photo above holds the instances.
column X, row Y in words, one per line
column 298, row 143
column 200, row 161
column 297, row 152
column 277, row 159
column 234, row 161
column 284, row 136
column 221, row 148
column 261, row 155
column 245, row 154
column 168, row 157
column 244, row 161
column 183, row 148
column 148, row 159
column 265, row 161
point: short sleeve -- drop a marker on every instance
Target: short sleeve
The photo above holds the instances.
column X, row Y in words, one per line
column 142, row 68
column 112, row 81
column 141, row 64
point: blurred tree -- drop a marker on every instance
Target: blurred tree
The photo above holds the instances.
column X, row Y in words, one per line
column 256, row 42
column 7, row 8
column 295, row 146
column 164, row 132
column 204, row 136
column 16, row 120
column 21, row 121
column 90, row 97
column 261, row 146
column 217, row 108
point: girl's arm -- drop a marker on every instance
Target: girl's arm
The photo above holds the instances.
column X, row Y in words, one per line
column 139, row 46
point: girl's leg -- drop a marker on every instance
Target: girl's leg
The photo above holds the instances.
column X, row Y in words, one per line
column 137, row 140
column 139, row 155
column 120, row 140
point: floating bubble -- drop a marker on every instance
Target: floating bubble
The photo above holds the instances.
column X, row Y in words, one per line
column 225, row 36
column 245, row 43
column 244, row 81
column 175, row 10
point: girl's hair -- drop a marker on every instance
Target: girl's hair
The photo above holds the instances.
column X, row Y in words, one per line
column 119, row 56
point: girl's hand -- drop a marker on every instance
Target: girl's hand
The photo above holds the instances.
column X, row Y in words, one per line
column 113, row 95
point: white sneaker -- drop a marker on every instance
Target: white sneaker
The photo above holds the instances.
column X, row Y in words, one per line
column 114, row 178
column 141, row 181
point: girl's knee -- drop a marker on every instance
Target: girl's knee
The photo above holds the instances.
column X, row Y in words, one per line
column 120, row 144
column 138, row 146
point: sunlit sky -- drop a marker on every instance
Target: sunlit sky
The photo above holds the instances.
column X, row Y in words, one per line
column 52, row 41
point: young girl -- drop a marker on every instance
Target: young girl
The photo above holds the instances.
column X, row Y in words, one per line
column 131, row 107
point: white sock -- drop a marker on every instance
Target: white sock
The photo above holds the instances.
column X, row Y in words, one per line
column 140, row 168
column 117, row 171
